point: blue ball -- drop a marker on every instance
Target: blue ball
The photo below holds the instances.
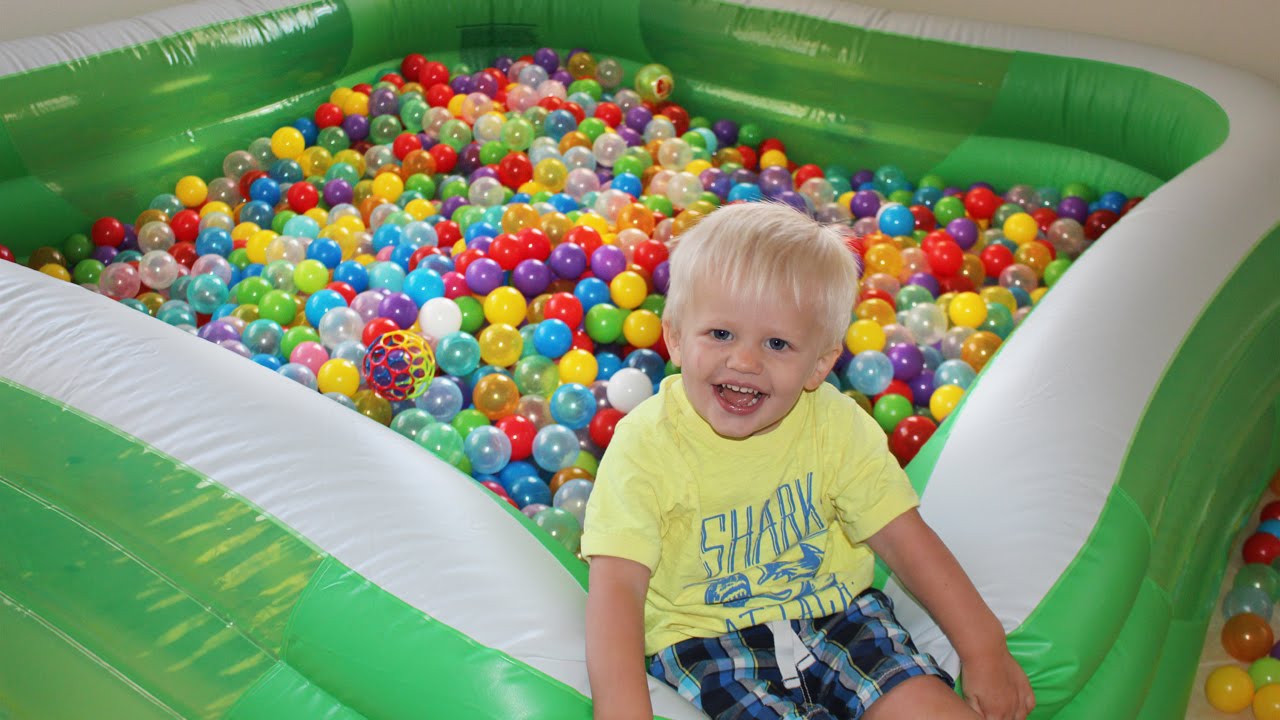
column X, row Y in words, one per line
column 870, row 372
column 310, row 131
column 387, row 235
column 555, row 447
column 514, row 470
column 954, row 372
column 488, row 449
column 325, row 250
column 607, row 363
column 442, row 399
column 258, row 212
column 303, row 226
column 573, row 405
column 552, row 338
column 748, row 192
column 896, row 220
column 423, row 284
column 591, row 292
column 563, row 202
column 526, row 490
column 286, row 171
column 627, row 183
column 386, row 276
column 321, row 302
column 458, row 353
column 353, row 274
column 214, row 241
column 270, row 362
column 265, row 190
column 1271, row 527
column 648, row 361
column 439, row 263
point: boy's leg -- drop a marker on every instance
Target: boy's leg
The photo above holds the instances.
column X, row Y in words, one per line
column 733, row 677
column 864, row 658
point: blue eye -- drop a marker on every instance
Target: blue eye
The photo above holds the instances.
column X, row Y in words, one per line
column 778, row 344
column 719, row 334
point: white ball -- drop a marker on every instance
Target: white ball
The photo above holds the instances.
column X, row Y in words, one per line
column 439, row 317
column 628, row 388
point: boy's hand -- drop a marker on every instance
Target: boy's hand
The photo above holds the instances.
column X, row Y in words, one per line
column 996, row 687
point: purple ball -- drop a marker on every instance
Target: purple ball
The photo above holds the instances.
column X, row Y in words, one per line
column 568, row 261
column 427, row 141
column 862, row 176
column 662, row 277
column 864, row 203
column 530, row 277
column 638, row 117
column 716, row 181
column 469, row 159
column 461, row 85
column 547, row 59
column 1075, row 208
column 483, row 171
column 843, row 361
column 484, row 275
column 632, row 137
column 217, row 331
column 398, row 308
column 480, row 243
column 926, row 281
column 503, row 63
column 450, row 206
column 774, row 181
column 607, row 261
column 337, row 191
column 236, row 347
column 792, row 198
column 964, row 231
column 563, row 77
column 483, row 82
column 130, row 242
column 907, row 360
column 726, row 132
column 604, row 175
column 356, row 127
column 105, row 254
column 922, row 388
column 743, row 176
column 383, row 102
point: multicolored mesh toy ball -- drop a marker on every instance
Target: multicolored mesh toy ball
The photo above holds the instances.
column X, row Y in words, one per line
column 399, row 365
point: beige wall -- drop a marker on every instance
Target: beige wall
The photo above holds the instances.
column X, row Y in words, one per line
column 1235, row 32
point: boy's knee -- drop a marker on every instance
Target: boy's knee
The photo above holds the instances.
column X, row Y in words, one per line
column 921, row 696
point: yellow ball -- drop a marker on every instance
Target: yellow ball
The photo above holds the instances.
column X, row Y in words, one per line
column 505, row 305
column 388, row 186
column 863, row 335
column 876, row 310
column 773, row 158
column 1266, row 703
column 1020, row 228
column 500, row 344
column 310, row 276
column 455, row 105
column 1001, row 295
column 1037, row 294
column 214, row 206
column 884, row 258
column 257, row 244
column 944, row 400
column 55, row 270
column 578, row 366
column 550, row 173
column 967, row 309
column 288, row 143
column 355, row 103
column 628, row 289
column 697, row 166
column 420, row 209
column 192, row 191
column 595, row 222
column 642, row 328
column 244, row 231
column 338, row 375
column 339, row 95
column 1229, row 689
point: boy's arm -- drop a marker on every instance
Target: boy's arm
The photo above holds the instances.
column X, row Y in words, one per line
column 995, row 685
column 615, row 639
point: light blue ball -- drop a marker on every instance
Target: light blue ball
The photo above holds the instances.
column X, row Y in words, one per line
column 442, row 399
column 488, row 449
column 555, row 447
column 954, row 372
column 869, row 372
column 573, row 406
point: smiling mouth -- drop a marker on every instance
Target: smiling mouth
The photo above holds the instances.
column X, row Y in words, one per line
column 739, row 397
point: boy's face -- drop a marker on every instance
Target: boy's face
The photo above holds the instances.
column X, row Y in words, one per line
column 745, row 359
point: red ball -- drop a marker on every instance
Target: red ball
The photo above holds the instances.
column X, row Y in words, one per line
column 404, row 144
column 955, row 284
column 515, row 170
column 877, row 294
column 108, row 232
column 1044, row 217
column 365, row 88
column 411, row 66
column 446, row 157
column 505, row 250
column 455, row 285
column 608, row 112
column 1098, row 222
column 945, row 258
column 376, row 328
column 896, row 387
column 186, row 225
column 1270, row 511
column 565, row 307
column 749, row 157
column 602, row 426
column 184, row 252
column 496, row 487
column 464, row 259
column 584, row 237
column 421, row 253
column 923, row 217
column 1129, row 205
column 439, row 95
column 583, row 341
column 328, row 115
column 347, row 292
column 520, row 431
column 995, row 258
column 447, row 233
column 7, row 254
column 805, row 173
column 393, row 78
column 534, row 244
column 772, row 144
column 981, row 203
column 575, row 110
column 650, row 253
column 302, row 196
column 247, row 180
column 909, row 436
column 677, row 115
column 1262, row 548
column 433, row 73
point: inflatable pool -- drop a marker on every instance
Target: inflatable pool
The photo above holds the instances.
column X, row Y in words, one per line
column 184, row 535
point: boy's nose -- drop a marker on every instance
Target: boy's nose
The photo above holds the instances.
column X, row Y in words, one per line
column 744, row 358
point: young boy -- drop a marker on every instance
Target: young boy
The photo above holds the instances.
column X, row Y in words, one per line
column 734, row 519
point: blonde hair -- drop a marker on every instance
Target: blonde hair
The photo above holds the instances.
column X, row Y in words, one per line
column 770, row 249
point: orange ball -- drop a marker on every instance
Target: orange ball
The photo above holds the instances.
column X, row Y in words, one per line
column 573, row 472
column 1247, row 637
column 496, row 396
column 978, row 349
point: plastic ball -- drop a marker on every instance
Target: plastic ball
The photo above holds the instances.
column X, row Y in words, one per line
column 909, row 435
column 1229, row 689
column 573, row 405
column 1247, row 637
column 488, row 449
column 864, row 335
column 627, row 388
column 1261, row 547
column 338, row 375
column 496, row 395
column 578, row 366
column 505, row 305
column 555, row 447
column 399, row 365
column 944, row 400
column 572, row 496
column 500, row 344
column 561, row 525
column 1247, row 600
column 443, row 441
column 870, row 372
column 1266, row 703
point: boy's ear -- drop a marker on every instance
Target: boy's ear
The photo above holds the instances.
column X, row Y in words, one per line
column 672, row 338
column 822, row 368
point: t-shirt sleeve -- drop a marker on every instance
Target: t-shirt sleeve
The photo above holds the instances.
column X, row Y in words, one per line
column 872, row 488
column 624, row 515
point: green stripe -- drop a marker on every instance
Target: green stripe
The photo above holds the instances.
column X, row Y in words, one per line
column 284, row 694
column 1200, row 458
column 219, row 548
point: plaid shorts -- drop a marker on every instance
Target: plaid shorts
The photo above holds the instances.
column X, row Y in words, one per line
column 857, row 656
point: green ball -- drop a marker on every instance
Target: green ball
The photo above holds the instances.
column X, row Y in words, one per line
column 334, row 139
column 999, row 320
column 902, row 196
column 1004, row 212
column 537, row 375
column 310, row 276
column 1262, row 577
column 239, row 258
column 454, row 188
column 76, row 248
column 588, row 86
column 87, row 272
column 472, row 313
column 492, row 152
column 670, row 369
column 891, row 410
column 912, row 295
column 411, row 421
column 421, row 183
column 251, row 290
column 947, row 209
column 710, row 197
column 295, row 336
column 695, row 139
column 587, row 461
column 592, row 127
column 282, row 217
column 342, row 171
column 1265, row 671
column 933, row 181
column 603, row 322
column 1080, row 190
column 1053, row 271
column 442, row 440
column 279, row 306
column 654, row 303
column 627, row 164
column 699, row 121
column 467, row 420
column 562, row 526
column 750, row 134
column 658, row 203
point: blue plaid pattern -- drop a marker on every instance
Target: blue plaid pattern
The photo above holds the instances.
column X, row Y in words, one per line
column 859, row 655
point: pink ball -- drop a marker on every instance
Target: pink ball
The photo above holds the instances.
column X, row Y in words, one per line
column 384, row 254
column 311, row 354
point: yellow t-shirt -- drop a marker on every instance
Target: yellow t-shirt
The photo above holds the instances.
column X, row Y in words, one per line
column 742, row 532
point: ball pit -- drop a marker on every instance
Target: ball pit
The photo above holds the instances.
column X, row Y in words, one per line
column 355, row 262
